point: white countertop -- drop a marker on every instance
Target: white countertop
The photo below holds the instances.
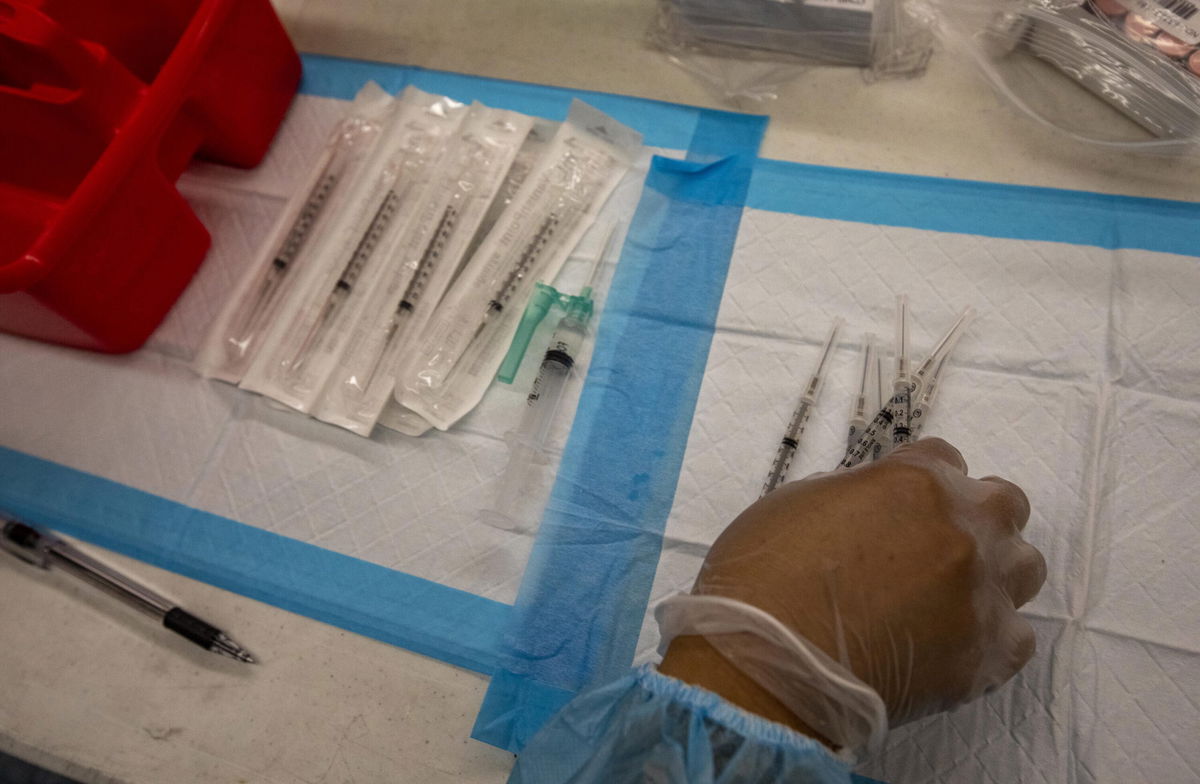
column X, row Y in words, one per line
column 93, row 691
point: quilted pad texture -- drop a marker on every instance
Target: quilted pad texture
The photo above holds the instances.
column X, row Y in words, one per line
column 1078, row 380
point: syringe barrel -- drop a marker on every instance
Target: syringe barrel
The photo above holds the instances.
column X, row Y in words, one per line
column 902, row 369
column 855, row 431
column 799, row 420
column 877, row 430
column 779, row 468
column 543, row 401
column 529, row 439
column 901, row 406
column 788, row 445
column 512, row 487
column 528, row 442
column 919, row 415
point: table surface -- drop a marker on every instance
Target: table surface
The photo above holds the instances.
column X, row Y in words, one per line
column 92, row 691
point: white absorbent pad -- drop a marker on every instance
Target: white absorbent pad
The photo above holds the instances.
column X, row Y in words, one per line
column 1079, row 381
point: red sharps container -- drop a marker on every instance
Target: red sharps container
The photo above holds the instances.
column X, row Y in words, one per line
column 102, row 105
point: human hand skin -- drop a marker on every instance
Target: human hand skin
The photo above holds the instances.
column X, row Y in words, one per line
column 922, row 567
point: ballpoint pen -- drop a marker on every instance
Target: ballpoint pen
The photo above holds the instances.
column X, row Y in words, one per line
column 44, row 549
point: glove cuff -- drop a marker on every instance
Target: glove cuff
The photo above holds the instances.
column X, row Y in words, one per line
column 821, row 692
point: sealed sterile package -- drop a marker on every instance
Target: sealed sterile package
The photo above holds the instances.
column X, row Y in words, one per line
column 395, row 416
column 1138, row 59
column 287, row 256
column 539, row 136
column 464, row 344
column 307, row 340
column 747, row 48
column 421, row 264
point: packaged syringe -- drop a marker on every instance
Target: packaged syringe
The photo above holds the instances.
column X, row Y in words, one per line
column 395, row 416
column 307, row 341
column 466, row 341
column 421, row 264
column 288, row 257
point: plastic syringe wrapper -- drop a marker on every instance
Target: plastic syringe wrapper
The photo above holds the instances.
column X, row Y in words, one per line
column 307, row 340
column 467, row 339
column 421, row 265
column 395, row 416
column 536, row 142
column 288, row 256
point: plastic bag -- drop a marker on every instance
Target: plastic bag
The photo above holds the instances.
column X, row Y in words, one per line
column 1137, row 56
column 749, row 48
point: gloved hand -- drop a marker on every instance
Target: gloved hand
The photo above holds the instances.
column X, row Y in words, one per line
column 902, row 575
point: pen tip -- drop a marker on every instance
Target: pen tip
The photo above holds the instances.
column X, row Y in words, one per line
column 226, row 646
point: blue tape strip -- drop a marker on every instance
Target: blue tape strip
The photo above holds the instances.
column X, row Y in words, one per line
column 667, row 125
column 601, row 536
column 451, row 625
column 982, row 208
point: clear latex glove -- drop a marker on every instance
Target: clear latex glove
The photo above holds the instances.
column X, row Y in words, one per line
column 903, row 575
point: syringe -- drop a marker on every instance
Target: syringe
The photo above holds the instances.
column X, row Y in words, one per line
column 944, row 347
column 795, row 428
column 509, row 287
column 541, row 406
column 256, row 310
column 880, row 397
column 887, row 414
column 569, row 204
column 416, row 288
column 920, row 413
column 530, row 238
column 541, row 300
column 871, row 442
column 862, row 401
column 346, row 280
column 903, row 387
column 932, row 372
column 880, row 394
column 456, row 346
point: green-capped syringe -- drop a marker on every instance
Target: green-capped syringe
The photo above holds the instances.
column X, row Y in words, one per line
column 543, row 299
column 528, row 441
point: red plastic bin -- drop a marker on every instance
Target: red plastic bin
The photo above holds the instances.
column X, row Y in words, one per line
column 102, row 105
